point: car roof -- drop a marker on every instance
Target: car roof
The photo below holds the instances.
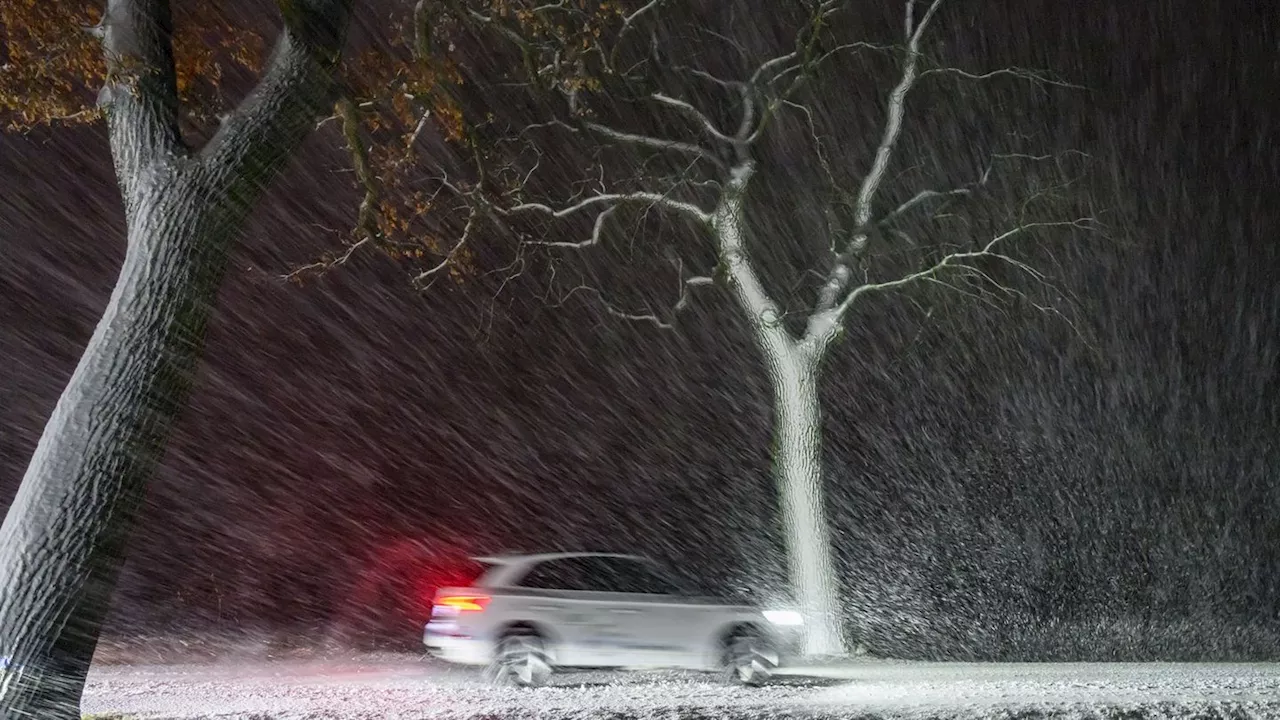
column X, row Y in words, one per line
column 530, row 558
column 509, row 568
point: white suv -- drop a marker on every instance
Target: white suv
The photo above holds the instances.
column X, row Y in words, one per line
column 528, row 615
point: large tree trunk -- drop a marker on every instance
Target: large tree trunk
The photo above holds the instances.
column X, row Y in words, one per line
column 798, row 454
column 793, row 371
column 63, row 536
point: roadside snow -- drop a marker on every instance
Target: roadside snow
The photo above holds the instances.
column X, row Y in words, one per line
column 983, row 688
column 368, row 688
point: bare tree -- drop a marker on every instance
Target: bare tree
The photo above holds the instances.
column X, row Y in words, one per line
column 699, row 165
column 62, row 539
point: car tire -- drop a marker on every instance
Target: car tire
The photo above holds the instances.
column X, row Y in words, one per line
column 521, row 660
column 749, row 658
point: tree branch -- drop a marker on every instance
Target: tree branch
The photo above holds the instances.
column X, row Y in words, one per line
column 802, row 62
column 704, row 75
column 140, row 96
column 689, row 284
column 627, row 24
column 696, row 114
column 296, row 87
column 472, row 218
column 921, row 198
column 596, row 229
column 840, row 275
column 651, row 198
column 655, row 143
column 629, row 138
column 366, row 223
column 770, row 65
column 823, row 324
column 893, row 123
column 320, row 266
column 366, row 226
column 686, row 285
column 1022, row 73
column 650, row 318
column 925, row 196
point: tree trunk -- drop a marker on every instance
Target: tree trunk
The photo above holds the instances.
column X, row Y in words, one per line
column 793, row 370
column 64, row 535
column 798, row 454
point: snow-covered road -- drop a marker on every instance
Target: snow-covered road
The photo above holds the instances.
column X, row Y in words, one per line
column 375, row 687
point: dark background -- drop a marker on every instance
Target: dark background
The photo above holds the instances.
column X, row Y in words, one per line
column 1001, row 486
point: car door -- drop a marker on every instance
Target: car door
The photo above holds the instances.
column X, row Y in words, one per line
column 561, row 594
column 657, row 623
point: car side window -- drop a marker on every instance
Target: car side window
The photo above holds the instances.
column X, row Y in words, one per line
column 602, row 575
column 563, row 574
column 627, row 575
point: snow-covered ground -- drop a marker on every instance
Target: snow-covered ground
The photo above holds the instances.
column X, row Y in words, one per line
column 375, row 687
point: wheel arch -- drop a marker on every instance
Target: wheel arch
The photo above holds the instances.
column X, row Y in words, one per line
column 728, row 631
column 550, row 638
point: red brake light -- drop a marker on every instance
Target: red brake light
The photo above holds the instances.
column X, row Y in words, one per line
column 464, row 603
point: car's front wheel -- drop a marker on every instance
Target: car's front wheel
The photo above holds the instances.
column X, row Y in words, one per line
column 521, row 660
column 749, row 658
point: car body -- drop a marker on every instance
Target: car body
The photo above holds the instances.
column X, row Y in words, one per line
column 598, row 610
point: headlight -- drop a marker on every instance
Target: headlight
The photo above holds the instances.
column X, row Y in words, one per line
column 784, row 617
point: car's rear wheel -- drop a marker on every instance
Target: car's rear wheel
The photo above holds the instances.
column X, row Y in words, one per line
column 749, row 658
column 521, row 660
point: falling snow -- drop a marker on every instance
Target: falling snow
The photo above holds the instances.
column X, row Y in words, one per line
column 1004, row 484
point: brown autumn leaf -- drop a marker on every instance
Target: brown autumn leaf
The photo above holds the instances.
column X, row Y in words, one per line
column 53, row 63
column 413, row 77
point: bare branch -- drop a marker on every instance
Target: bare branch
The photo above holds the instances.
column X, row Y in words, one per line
column 417, row 131
column 622, row 136
column 821, row 324
column 704, row 75
column 695, row 113
column 472, row 219
column 855, row 46
column 922, row 197
column 627, row 24
column 650, row 318
column 799, row 62
column 840, row 276
column 321, row 266
column 491, row 21
column 811, row 64
column 772, row 65
column 1015, row 293
column 748, row 118
column 686, row 285
column 893, row 123
column 596, row 230
column 655, row 143
column 651, row 198
column 1022, row 73
column 818, row 146
column 360, row 106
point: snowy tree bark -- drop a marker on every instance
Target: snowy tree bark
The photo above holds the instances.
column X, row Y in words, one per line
column 798, row 453
column 63, row 537
column 793, row 372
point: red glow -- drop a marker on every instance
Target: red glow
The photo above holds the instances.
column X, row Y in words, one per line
column 464, row 603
